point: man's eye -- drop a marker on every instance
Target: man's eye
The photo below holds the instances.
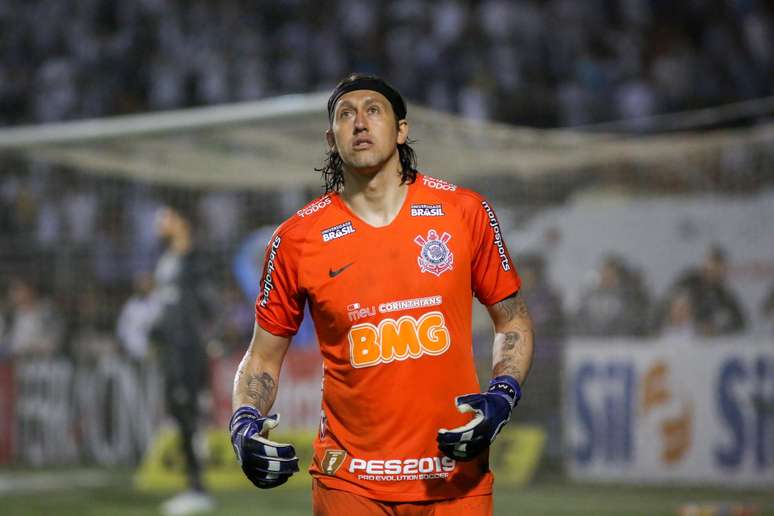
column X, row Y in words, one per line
column 345, row 113
column 373, row 109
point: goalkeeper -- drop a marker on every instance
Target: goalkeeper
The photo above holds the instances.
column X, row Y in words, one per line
column 388, row 260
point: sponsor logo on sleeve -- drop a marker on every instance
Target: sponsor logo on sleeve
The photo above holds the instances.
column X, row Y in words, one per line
column 427, row 210
column 438, row 184
column 338, row 231
column 314, row 207
column 435, row 256
column 332, row 461
column 498, row 237
column 268, row 282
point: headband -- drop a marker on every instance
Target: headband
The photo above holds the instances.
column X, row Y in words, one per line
column 371, row 84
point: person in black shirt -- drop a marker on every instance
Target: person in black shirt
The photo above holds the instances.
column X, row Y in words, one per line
column 181, row 303
column 716, row 310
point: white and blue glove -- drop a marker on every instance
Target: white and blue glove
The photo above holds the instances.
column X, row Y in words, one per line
column 267, row 464
column 492, row 410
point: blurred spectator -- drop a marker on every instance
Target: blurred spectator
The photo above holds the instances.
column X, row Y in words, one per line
column 4, row 347
column 34, row 326
column 716, row 310
column 137, row 318
column 92, row 334
column 616, row 304
column 234, row 321
column 767, row 310
column 111, row 264
column 178, row 333
column 221, row 215
column 545, row 308
column 679, row 318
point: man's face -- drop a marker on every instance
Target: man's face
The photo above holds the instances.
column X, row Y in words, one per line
column 364, row 130
column 715, row 269
column 20, row 294
column 167, row 223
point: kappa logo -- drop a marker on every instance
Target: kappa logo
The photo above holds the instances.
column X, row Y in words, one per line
column 435, row 256
column 332, row 461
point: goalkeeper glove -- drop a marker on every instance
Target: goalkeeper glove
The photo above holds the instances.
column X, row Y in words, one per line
column 267, row 464
column 492, row 410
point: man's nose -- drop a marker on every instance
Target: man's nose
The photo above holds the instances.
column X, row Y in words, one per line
column 360, row 122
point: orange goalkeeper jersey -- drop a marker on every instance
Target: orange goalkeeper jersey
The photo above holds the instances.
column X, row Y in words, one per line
column 392, row 311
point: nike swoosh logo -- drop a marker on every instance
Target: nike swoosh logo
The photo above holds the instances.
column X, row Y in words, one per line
column 335, row 273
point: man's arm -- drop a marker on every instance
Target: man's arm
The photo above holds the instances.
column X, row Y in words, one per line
column 257, row 376
column 512, row 357
column 513, row 341
column 266, row 463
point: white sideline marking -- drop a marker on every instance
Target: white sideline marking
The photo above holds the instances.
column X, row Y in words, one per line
column 15, row 482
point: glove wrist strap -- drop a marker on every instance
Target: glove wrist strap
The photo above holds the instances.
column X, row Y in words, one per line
column 507, row 387
column 245, row 411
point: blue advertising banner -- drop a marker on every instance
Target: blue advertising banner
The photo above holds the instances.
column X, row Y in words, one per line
column 663, row 411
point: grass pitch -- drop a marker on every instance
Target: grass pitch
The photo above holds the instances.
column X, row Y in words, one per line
column 543, row 498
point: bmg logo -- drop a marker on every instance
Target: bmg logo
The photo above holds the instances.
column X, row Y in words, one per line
column 399, row 339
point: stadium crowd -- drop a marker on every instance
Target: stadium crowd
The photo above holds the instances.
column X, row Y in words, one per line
column 534, row 62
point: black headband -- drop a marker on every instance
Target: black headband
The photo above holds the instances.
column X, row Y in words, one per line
column 371, row 84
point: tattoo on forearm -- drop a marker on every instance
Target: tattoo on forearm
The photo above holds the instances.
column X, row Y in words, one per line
column 513, row 344
column 511, row 339
column 507, row 367
column 507, row 307
column 260, row 390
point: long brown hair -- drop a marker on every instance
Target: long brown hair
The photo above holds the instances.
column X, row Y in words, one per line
column 332, row 171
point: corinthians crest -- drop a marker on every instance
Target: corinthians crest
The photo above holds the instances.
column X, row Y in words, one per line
column 435, row 256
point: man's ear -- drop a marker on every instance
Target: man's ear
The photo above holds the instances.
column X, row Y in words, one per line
column 403, row 131
column 330, row 139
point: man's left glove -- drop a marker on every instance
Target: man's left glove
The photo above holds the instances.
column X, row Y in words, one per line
column 492, row 410
column 267, row 464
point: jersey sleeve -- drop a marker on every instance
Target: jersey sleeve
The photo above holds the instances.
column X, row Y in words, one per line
column 494, row 275
column 279, row 307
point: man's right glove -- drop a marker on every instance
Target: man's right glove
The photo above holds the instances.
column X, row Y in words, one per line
column 267, row 464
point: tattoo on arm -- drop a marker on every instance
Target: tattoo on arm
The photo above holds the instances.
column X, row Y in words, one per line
column 510, row 355
column 507, row 308
column 512, row 351
column 507, row 367
column 261, row 389
column 511, row 339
